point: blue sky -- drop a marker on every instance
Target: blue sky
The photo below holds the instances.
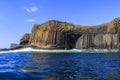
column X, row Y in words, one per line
column 18, row 16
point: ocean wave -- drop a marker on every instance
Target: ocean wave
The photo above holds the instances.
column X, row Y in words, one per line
column 63, row 51
column 18, row 50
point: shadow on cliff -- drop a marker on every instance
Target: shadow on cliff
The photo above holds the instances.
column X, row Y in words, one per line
column 71, row 40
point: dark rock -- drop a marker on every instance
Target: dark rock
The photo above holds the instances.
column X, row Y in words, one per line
column 4, row 49
column 15, row 46
column 25, row 39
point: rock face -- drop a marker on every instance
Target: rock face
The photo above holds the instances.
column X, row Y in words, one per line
column 62, row 35
column 98, row 41
column 52, row 34
column 25, row 39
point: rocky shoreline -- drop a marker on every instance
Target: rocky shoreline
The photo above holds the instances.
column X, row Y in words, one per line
column 55, row 34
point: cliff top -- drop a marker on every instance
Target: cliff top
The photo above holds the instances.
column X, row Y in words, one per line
column 54, row 25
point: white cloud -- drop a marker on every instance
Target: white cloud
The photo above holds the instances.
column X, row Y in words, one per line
column 34, row 9
column 31, row 9
column 31, row 20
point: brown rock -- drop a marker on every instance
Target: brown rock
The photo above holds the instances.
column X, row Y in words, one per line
column 57, row 34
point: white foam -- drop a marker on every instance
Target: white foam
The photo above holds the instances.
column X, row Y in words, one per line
column 18, row 50
column 60, row 51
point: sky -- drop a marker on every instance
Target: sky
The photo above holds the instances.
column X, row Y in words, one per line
column 18, row 16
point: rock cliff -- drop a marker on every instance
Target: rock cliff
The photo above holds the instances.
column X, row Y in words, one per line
column 62, row 35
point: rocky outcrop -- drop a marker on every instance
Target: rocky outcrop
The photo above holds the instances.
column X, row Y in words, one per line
column 104, row 36
column 25, row 39
column 51, row 34
column 63, row 35
column 15, row 46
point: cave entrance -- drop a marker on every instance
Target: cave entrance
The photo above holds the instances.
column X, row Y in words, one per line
column 71, row 40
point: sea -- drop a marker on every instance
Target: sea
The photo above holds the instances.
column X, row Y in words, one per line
column 33, row 64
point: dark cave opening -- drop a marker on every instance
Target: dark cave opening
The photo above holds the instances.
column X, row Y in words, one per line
column 71, row 40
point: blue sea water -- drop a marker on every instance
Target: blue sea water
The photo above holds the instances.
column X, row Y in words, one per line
column 30, row 64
